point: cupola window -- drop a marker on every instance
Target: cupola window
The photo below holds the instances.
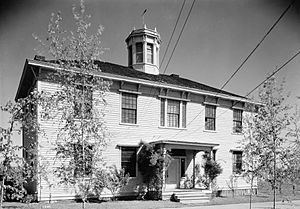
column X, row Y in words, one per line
column 139, row 52
column 149, row 53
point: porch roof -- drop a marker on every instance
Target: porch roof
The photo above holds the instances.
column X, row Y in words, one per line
column 186, row 144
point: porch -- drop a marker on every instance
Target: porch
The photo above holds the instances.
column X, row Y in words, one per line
column 181, row 176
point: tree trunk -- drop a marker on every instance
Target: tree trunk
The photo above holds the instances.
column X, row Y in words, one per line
column 2, row 191
column 251, row 190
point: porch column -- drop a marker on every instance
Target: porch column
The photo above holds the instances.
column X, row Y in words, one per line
column 194, row 172
column 164, row 168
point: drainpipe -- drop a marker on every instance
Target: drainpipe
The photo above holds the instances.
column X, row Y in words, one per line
column 194, row 165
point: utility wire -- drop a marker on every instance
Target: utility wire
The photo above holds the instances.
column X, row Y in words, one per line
column 273, row 26
column 256, row 87
column 172, row 33
column 179, row 35
column 276, row 71
column 179, row 15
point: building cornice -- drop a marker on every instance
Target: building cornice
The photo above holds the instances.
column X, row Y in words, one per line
column 149, row 83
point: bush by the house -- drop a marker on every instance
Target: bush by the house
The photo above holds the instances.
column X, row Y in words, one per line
column 151, row 161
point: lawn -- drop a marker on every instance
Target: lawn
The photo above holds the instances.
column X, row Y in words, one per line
column 134, row 204
column 137, row 204
column 264, row 195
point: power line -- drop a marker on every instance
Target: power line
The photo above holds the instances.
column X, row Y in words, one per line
column 173, row 32
column 179, row 35
column 287, row 62
column 256, row 87
column 273, row 26
column 179, row 15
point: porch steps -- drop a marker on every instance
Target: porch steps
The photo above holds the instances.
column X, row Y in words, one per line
column 189, row 196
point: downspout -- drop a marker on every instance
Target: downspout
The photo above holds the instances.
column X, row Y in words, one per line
column 194, row 172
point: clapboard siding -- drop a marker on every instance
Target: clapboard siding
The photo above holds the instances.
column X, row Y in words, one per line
column 147, row 129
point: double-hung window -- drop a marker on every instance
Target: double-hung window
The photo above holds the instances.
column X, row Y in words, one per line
column 129, row 108
column 173, row 113
column 128, row 160
column 210, row 117
column 237, row 120
column 237, row 163
column 139, row 52
column 83, row 163
column 83, row 102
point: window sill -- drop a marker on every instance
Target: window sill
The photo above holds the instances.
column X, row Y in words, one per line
column 210, row 131
column 128, row 124
column 173, row 128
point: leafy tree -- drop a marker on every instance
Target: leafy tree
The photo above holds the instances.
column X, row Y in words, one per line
column 293, row 153
column 15, row 170
column 79, row 104
column 151, row 162
column 264, row 150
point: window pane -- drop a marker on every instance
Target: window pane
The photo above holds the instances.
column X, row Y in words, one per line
column 128, row 116
column 173, row 113
column 128, row 160
column 83, row 162
column 173, row 106
column 129, row 108
column 150, row 53
column 237, row 166
column 210, row 117
column 173, row 120
column 83, row 101
column 237, row 121
column 162, row 112
column 210, row 111
column 139, row 52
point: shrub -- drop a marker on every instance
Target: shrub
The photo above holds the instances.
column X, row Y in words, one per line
column 212, row 169
column 111, row 178
column 151, row 161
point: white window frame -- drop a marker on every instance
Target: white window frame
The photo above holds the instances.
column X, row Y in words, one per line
column 181, row 101
column 137, row 106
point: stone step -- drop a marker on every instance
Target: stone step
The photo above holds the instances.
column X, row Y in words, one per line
column 192, row 198
column 189, row 196
column 195, row 201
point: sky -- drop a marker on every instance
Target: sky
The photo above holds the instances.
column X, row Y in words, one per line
column 218, row 36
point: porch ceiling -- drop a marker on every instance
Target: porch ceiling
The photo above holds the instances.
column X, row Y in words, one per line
column 186, row 145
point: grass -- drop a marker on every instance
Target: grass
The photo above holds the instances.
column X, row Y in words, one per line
column 264, row 195
column 134, row 204
column 137, row 204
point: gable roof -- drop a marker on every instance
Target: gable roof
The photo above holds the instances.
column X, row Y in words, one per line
column 115, row 70
column 173, row 79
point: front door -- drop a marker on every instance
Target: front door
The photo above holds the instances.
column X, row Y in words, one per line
column 173, row 174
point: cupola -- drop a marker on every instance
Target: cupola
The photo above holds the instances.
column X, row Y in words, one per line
column 143, row 50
